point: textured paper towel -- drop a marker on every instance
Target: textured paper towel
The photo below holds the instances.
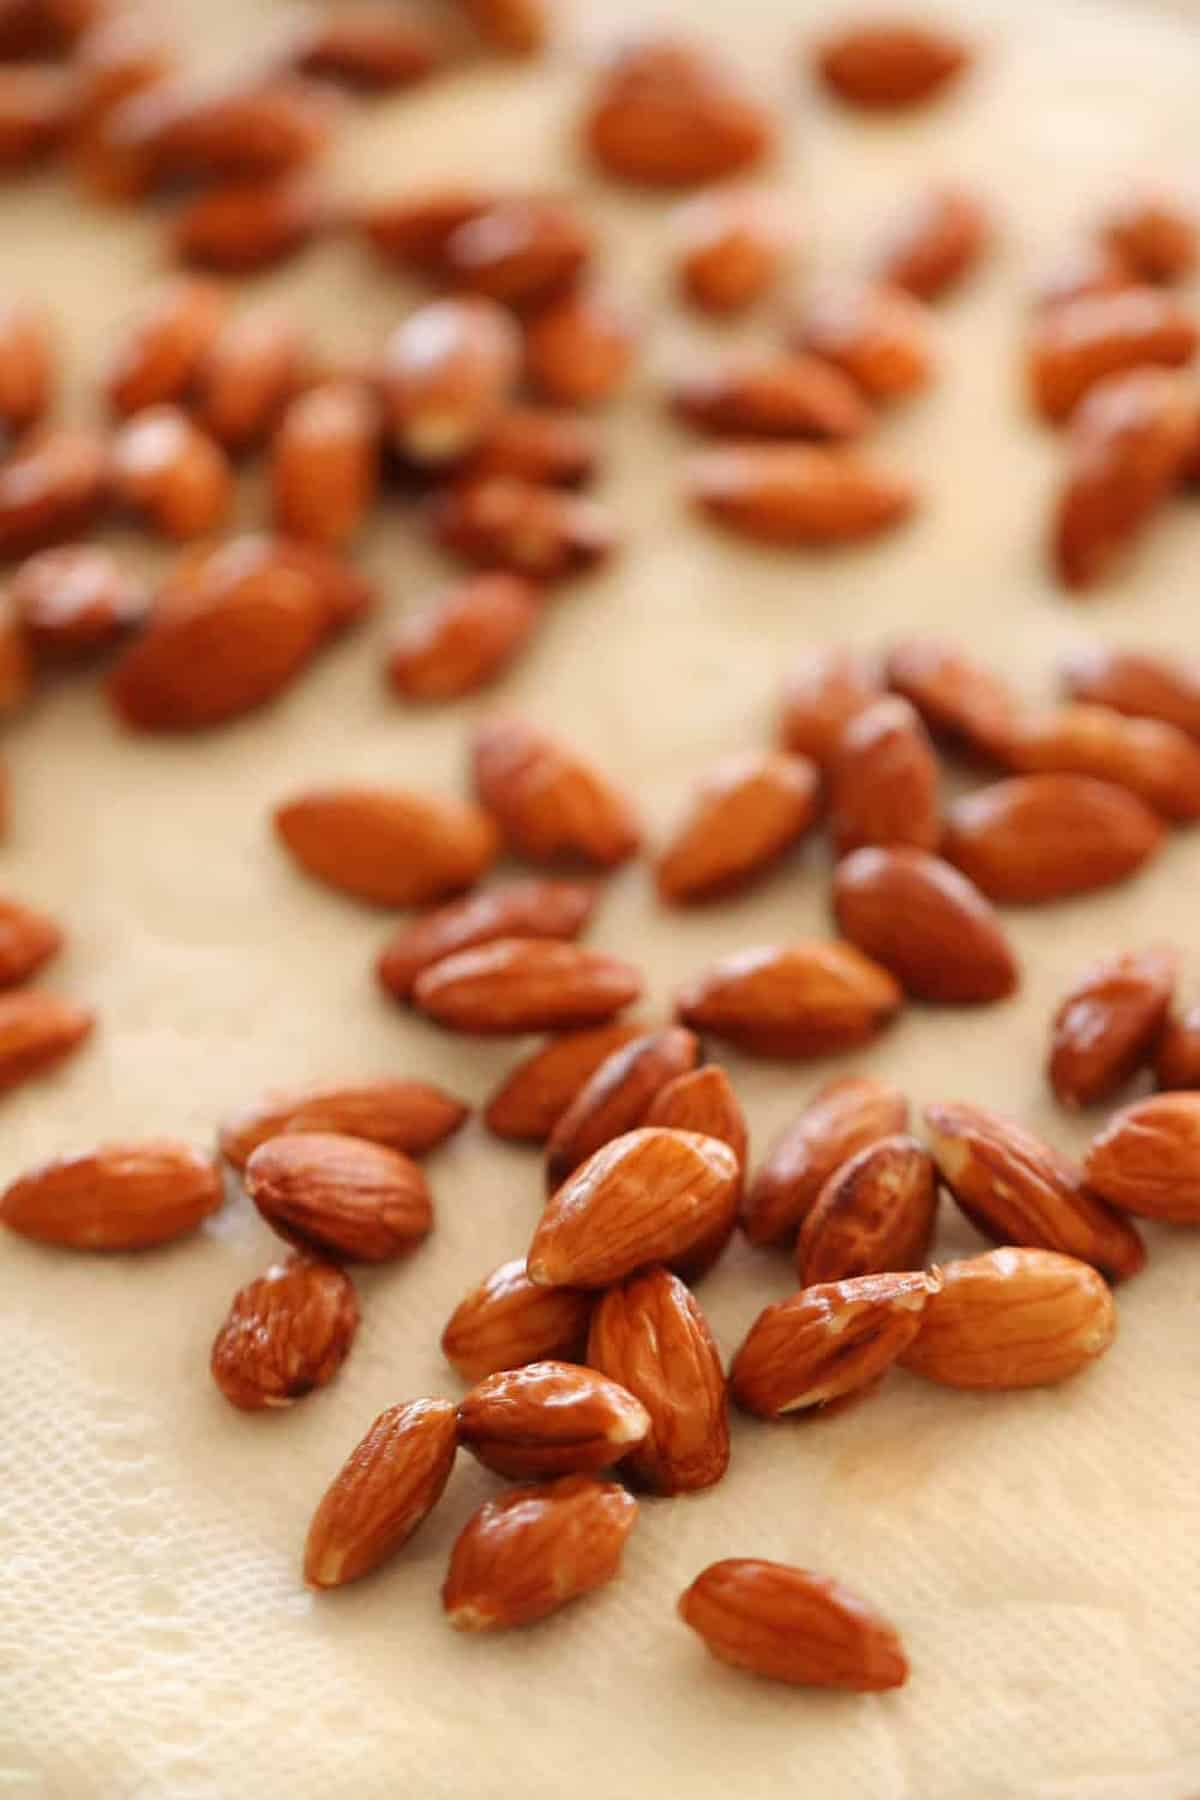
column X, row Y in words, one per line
column 1038, row 1552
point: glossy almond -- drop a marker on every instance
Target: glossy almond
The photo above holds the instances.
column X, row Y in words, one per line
column 53, row 487
column 160, row 354
column 874, row 1214
column 650, row 1196
column 539, row 909
column 744, row 816
column 1154, row 233
column 844, row 1117
column 1157, row 762
column 508, row 1321
column 544, row 445
column 1107, row 1025
column 324, row 463
column 528, row 529
column 385, row 845
column 1013, row 1319
column 940, row 239
column 616, row 1098
column 533, row 1549
column 26, row 365
column 795, row 1000
column 827, row 1341
column 730, row 246
column 245, row 380
column 466, row 640
column 534, row 1095
column 1177, row 1058
column 521, row 250
column 798, row 494
column 786, row 395
column 447, row 374
column 171, row 474
column 252, row 128
column 703, row 1100
column 889, row 64
column 824, row 690
column 666, row 113
column 1080, row 342
column 1147, row 1159
column 551, row 804
column 75, row 600
column 514, row 985
column 28, row 939
column 650, row 1335
column 1046, row 837
column 244, row 227
column 960, row 700
column 37, row 1031
column 1018, row 1190
column 38, row 108
column 550, row 1418
column 287, row 1333
column 926, row 923
column 387, row 1487
column 883, row 780
column 120, row 1196
column 366, row 46
column 879, row 336
column 413, row 1116
column 580, row 348
column 1136, row 682
column 339, row 1196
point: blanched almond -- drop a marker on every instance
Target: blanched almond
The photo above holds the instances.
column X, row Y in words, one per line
column 28, row 939
column 666, row 113
column 287, row 1333
column 1078, row 343
column 883, row 780
column 791, row 395
column 1157, row 762
column 827, row 1341
column 1045, row 837
column 499, row 522
column 745, row 816
column 823, row 692
column 1147, row 1159
column 729, row 247
column 936, row 245
column 75, row 600
column 958, row 698
column 26, row 366
column 540, row 909
column 37, row 1031
column 889, row 64
column 521, row 250
column 159, row 356
column 1177, row 1059
column 247, row 377
column 508, row 1321
column 387, row 1487
column 926, row 923
column 171, row 474
column 339, row 1196
column 324, row 463
column 798, row 494
column 448, row 371
column 1106, row 1027
column 550, row 803
column 534, row 1095
column 385, row 845
column 874, row 1214
column 877, row 335
column 1135, row 682
column 580, row 349
column 120, row 1196
column 464, row 641
column 413, row 1116
column 1154, row 233
column 515, row 985
column 246, row 226
column 804, row 999
column 550, row 1418
column 616, row 1097
column 53, row 487
column 844, row 1117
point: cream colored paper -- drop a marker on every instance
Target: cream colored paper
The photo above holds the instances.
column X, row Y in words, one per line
column 1037, row 1551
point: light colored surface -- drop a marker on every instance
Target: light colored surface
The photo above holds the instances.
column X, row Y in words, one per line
column 1037, row 1551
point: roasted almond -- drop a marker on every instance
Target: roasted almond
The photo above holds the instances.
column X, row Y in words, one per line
column 1086, row 268
column 551, row 804
column 534, row 1549
column 1107, row 1025
column 1045, row 837
column 368, row 47
column 387, row 1487
column 703, row 1100
column 28, row 939
column 528, row 529
column 44, row 27
column 16, row 660
column 1147, row 1159
column 447, row 374
column 730, row 246
column 514, row 985
column 804, row 999
column 877, row 335
column 465, row 640
column 324, row 463
column 339, row 1196
column 247, row 377
column 883, row 780
column 1135, row 682
column 797, row 494
column 650, row 1335
column 26, row 366
column 121, row 54
column 287, row 1333
column 937, row 243
column 1018, row 1190
column 844, row 1117
column 666, row 113
column 745, row 816
column 580, row 348
column 874, row 1214
column 890, row 64
column 171, row 474
column 650, row 1196
column 1080, row 342
column 246, row 226
column 534, row 1095
column 616, row 1098
column 513, row 27
column 160, row 354
column 925, row 923
column 827, row 1341
column 1157, row 762
column 53, row 487
column 37, row 1030
column 414, row 227
column 539, row 909
column 790, row 1625
column 385, row 845
column 550, row 1418
column 413, row 1116
column 75, row 600
column 783, row 395
column 546, row 446
column 1153, row 233
column 38, row 109
column 823, row 692
column 960, row 701
column 181, row 129
column 1013, row 1319
column 1177, row 1058
column 507, row 1321
column 120, row 1196
column 521, row 250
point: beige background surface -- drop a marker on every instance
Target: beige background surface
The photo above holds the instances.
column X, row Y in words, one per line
column 1038, row 1552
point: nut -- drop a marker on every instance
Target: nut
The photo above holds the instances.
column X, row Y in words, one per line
column 514, row 985
column 247, row 226
column 514, row 27
column 883, row 780
column 842, row 1118
column 1107, row 1026
column 37, row 1031
column 466, row 640
column 783, row 395
column 536, row 531
column 797, row 494
column 413, row 1116
column 385, row 845
column 387, row 1487
column 889, row 65
column 1044, row 837
column 448, row 373
column 287, row 1333
column 245, row 128
column 823, row 692
column 324, row 463
column 1157, row 762
column 551, row 805
column 38, row 109
column 53, row 487
column 520, row 250
column 550, row 1418
column 340, row 1196
column 539, row 445
column 1177, row 1059
column 926, row 924
column 540, row 909
column 1153, row 234
column 28, row 939
column 534, row 1095
column 877, row 335
column 246, row 379
column 16, row 661
column 665, row 113
column 120, row 1196
column 744, row 817
column 506, row 1322
column 703, row 1100
column 1147, row 1159
column 958, row 699
column 369, row 48
column 729, row 248
column 75, row 600
column 805, row 999
column 1079, row 342
column 160, row 355
column 936, row 245
column 26, row 366
column 1135, row 682
column 616, row 1097
column 171, row 474
column 580, row 349
column 874, row 1214
column 827, row 1341
column 413, row 228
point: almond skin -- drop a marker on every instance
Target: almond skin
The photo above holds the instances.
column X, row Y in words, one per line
column 514, row 985
column 797, row 495
column 367, row 47
column 325, row 463
column 287, row 1333
column 161, row 353
column 120, row 1196
column 1135, row 682
column 579, row 349
column 844, row 1117
column 703, row 1100
column 448, row 372
column 647, row 1197
column 959, row 700
column 339, row 1196
column 874, row 1214
column 551, row 804
column 539, row 909
column 824, row 690
column 1107, row 1025
column 1017, row 1190
column 38, row 108
column 512, row 27
column 1147, row 1159
column 1177, row 1059
column 386, row 846
column 37, row 1030
column 28, row 939
column 171, row 474
column 466, row 640
column 76, row 600
column 247, row 377
column 1080, row 342
column 883, row 780
column 827, row 1341
column 521, row 250
column 616, row 1098
column 729, row 248
column 650, row 1335
column 877, row 335
column 252, row 128
column 412, row 1116
column 26, row 366
column 1157, row 762
column 666, row 114
column 795, row 1000
column 413, row 228
column 937, row 243
column 243, row 227
column 387, row 1487
column 544, row 445
column 16, row 662
column 781, row 396
column 1013, row 1319
column 925, row 923
column 499, row 522
column 53, row 486
column 1045, row 837
column 889, row 65
column 507, row 1322
column 550, row 1418
column 534, row 1549
column 534, row 1095
column 744, row 817
column 1086, row 268
column 1154, row 234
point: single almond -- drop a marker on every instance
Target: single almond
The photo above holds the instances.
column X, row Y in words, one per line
column 1044, row 837
column 1135, row 682
column 413, row 1116
column 171, row 474
column 823, row 692
column 962, row 702
column 385, row 845
column 550, row 1418
column 925, row 923
column 784, row 395
column 368, row 47
column 730, row 246
column 26, row 366
column 287, row 1332
column 616, row 1098
column 891, row 64
column 386, row 1488
column 75, row 600
column 551, row 804
column 794, row 1000
column 513, row 27
column 883, row 780
column 1080, row 342
column 1013, row 1319
column 344, row 592
column 1154, row 233
column 1106, row 1027
column 844, row 1117
column 413, row 228
column 1147, row 1159
column 120, row 1196
column 534, row 1095
column 507, row 1321
column 703, row 1100
column 539, row 909
column 877, row 335
column 665, row 113
column 1157, row 762
column 53, row 487
column 28, row 939
column 252, row 127
column 466, row 640
column 938, row 242
column 1018, row 1190
column 798, row 494
column 37, row 1031
column 247, row 377
column 515, row 985
column 827, row 1341
column 324, row 463
column 39, row 105
column 874, row 1214
column 339, row 1196
column 744, row 817
column 500, row 522
column 161, row 353
column 448, row 372
column 543, row 445
column 522, row 250
column 1177, row 1058
column 534, row 1549
column 243, row 227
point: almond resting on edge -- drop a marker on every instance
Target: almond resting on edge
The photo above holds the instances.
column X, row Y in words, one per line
column 388, row 1485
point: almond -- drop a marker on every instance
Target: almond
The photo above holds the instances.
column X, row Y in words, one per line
column 539, row 909
column 877, row 335
column 925, row 923
column 514, row 985
column 745, row 816
column 1157, row 762
column 650, row 1335
column 121, row 54
column 804, row 999
column 120, row 1196
column 1177, row 1059
column 1147, row 1159
column 938, row 242
column 287, row 1333
column 26, row 366
column 845, row 1116
column 665, row 113
column 874, row 1214
column 827, row 1341
column 542, row 445
column 890, row 64
column 650, row 1196
column 37, row 1030
column 823, row 692
column 16, row 662
column 247, row 226
column 789, row 395
column 729, row 248
column 534, row 1095
column 448, row 372
column 367, row 47
column 1045, row 837
column 324, row 463
column 52, row 487
column 171, row 474
column 534, row 1549
column 580, row 348
column 385, row 845
column 243, row 128
column 616, row 1098
column 44, row 27
column 38, row 108
column 797, row 494
column 1017, row 1190
column 1135, row 682
column 76, row 600
column 551, row 805
column 514, row 27
column 386, row 1488
column 159, row 356
column 1013, row 1319
column 466, row 640
column 1107, row 1025
column 414, row 227
column 883, row 780
column 28, row 939
column 703, row 1100
column 790, row 1625
column 345, row 593
column 536, row 531
column 1087, row 268
column 550, row 1418
column 413, row 1116
column 1153, row 233
column 521, row 250
column 339, row 1196
column 247, row 378
column 959, row 699
column 507, row 1322
column 1080, row 342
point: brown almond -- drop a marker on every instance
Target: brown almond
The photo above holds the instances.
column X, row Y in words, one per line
column 580, row 349
column 1045, row 837
column 515, row 985
column 28, row 939
column 121, row 54
column 253, row 128
column 344, row 591
column 1157, row 762
column 788, row 395
column 730, row 246
column 959, row 700
column 844, row 1117
column 551, row 804
column 797, row 494
column 386, row 1488
column 513, row 27
column 1153, row 233
column 1106, row 1027
column 44, row 27
column 448, row 372
column 287, row 1333
column 53, row 487
column 877, row 335
column 1087, row 268
column 26, row 366
column 1177, row 1058
column 324, row 463
column 938, row 242
column 507, row 1321
column 414, row 227
column 387, row 846
column 534, row 1549
column 466, row 640
column 160, row 355
column 925, row 923
column 805, row 999
column 1147, row 1159
column 703, row 1100
column 413, row 1116
column 788, row 1624
column 38, row 108
column 171, row 474
column 75, row 600
column 1135, row 682
column 368, row 47
column 247, row 378
column 539, row 909
column 650, row 1335
column 744, row 817
column 827, row 1341
column 521, row 250
column 545, row 446
column 666, row 113
column 534, row 1095
column 16, row 661
column 536, row 531
column 874, row 1214
column 889, row 64
column 339, row 1196
column 650, row 1196
column 823, row 692
column 883, row 780
column 120, row 1196
column 1080, row 342
column 1018, row 1190
column 550, row 1418
column 616, row 1098
column 246, row 226
column 37, row 1030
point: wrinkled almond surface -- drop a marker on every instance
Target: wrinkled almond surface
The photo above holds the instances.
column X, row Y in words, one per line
column 120, row 1196
column 1147, row 1158
column 845, row 1116
column 805, row 999
column 338, row 1195
column 827, row 1341
column 874, row 1214
column 534, row 1095
column 507, row 1321
column 388, row 1485
column 540, row 909
column 1107, row 1025
column 413, row 1116
column 1045, row 837
column 287, row 1332
column 387, row 846
column 550, row 1418
column 551, row 804
column 744, row 816
column 514, row 985
column 925, row 923
column 883, row 780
